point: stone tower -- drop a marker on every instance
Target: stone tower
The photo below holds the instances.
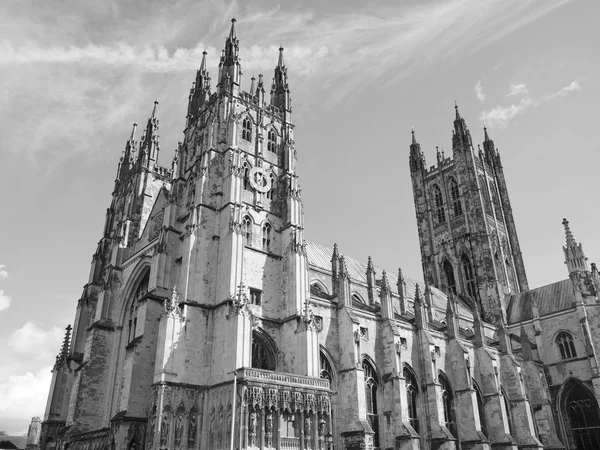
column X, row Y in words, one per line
column 466, row 228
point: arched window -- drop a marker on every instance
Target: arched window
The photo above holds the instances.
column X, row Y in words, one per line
column 271, row 191
column 326, row 369
column 357, row 298
column 485, row 194
column 266, row 237
column 246, row 177
column 140, row 291
column 439, row 204
column 272, row 141
column 469, row 277
column 262, row 354
column 371, row 384
column 450, row 280
column 247, row 129
column 481, row 409
column 448, row 404
column 247, row 230
column 455, row 195
column 566, row 345
column 412, row 391
column 496, row 202
column 581, row 409
column 508, row 413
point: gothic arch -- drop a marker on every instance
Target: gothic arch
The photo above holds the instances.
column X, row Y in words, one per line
column 564, row 348
column 264, row 350
column 449, row 275
column 579, row 415
column 325, row 356
column 372, row 383
column 318, row 284
column 412, row 396
column 480, row 407
column 140, row 270
column 356, row 296
column 449, row 413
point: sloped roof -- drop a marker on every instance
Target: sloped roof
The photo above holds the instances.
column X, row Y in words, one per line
column 13, row 442
column 551, row 298
column 319, row 256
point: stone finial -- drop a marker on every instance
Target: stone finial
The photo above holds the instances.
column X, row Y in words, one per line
column 385, row 284
column 575, row 258
column 421, row 319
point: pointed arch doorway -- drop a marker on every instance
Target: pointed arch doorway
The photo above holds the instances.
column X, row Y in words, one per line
column 581, row 416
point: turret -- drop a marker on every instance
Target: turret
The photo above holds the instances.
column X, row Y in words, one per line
column 200, row 88
column 230, row 70
column 416, row 158
column 575, row 259
column 280, row 92
column 461, row 138
column 149, row 144
column 127, row 157
column 370, row 280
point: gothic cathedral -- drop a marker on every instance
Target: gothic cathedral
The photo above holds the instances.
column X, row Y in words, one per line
column 209, row 322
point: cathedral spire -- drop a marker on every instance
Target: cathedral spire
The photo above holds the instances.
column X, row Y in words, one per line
column 462, row 136
column 416, row 158
column 280, row 92
column 149, row 147
column 200, row 88
column 230, row 70
column 575, row 259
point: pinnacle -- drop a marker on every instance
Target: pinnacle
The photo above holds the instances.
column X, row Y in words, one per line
column 203, row 63
column 280, row 62
column 456, row 108
column 486, row 137
column 232, row 30
column 414, row 140
column 570, row 239
column 154, row 109
column 133, row 131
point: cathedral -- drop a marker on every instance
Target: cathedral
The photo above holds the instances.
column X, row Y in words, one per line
column 209, row 322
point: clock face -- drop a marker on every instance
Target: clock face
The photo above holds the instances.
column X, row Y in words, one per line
column 259, row 179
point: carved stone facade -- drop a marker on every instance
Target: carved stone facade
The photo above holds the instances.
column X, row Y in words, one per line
column 209, row 322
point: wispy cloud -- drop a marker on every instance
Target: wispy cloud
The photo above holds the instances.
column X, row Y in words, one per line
column 84, row 90
column 5, row 301
column 3, row 272
column 479, row 91
column 517, row 89
column 501, row 115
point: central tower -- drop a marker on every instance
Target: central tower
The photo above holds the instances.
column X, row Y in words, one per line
column 467, row 232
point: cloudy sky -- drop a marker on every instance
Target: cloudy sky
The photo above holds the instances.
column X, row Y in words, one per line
column 75, row 74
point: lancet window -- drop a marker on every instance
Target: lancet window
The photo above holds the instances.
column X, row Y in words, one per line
column 566, row 345
column 496, row 202
column 480, row 409
column 439, row 204
column 272, row 141
column 412, row 392
column 246, row 177
column 583, row 417
column 448, row 404
column 263, row 356
column 140, row 291
column 270, row 192
column 266, row 238
column 326, row 369
column 450, row 280
column 469, row 277
column 371, row 385
column 247, row 230
column 455, row 195
column 247, row 129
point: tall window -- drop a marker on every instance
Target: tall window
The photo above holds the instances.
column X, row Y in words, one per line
column 583, row 417
column 508, row 413
column 255, row 296
column 326, row 370
column 450, row 280
column 439, row 204
column 246, row 177
column 140, row 291
column 469, row 277
column 412, row 391
column 448, row 405
column 271, row 191
column 566, row 345
column 262, row 355
column 455, row 195
column 485, row 194
column 496, row 202
column 247, row 230
column 371, row 384
column 271, row 141
column 481, row 409
column 247, row 129
column 266, row 240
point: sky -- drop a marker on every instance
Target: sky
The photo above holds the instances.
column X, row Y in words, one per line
column 76, row 74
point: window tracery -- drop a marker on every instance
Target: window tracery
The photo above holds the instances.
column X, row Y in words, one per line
column 469, row 277
column 266, row 238
column 439, row 204
column 412, row 392
column 371, row 385
column 566, row 345
column 455, row 196
column 247, row 129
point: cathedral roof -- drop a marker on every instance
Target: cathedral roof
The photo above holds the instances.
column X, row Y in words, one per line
column 549, row 299
column 319, row 256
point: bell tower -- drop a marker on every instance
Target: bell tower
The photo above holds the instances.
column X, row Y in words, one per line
column 467, row 234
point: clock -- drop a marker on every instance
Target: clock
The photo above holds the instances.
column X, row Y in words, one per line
column 259, row 180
